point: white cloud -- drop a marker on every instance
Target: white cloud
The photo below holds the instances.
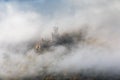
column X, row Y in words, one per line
column 100, row 52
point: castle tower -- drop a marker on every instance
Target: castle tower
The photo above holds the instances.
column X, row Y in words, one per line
column 55, row 34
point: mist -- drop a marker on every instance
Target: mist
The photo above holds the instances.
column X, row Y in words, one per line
column 23, row 25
